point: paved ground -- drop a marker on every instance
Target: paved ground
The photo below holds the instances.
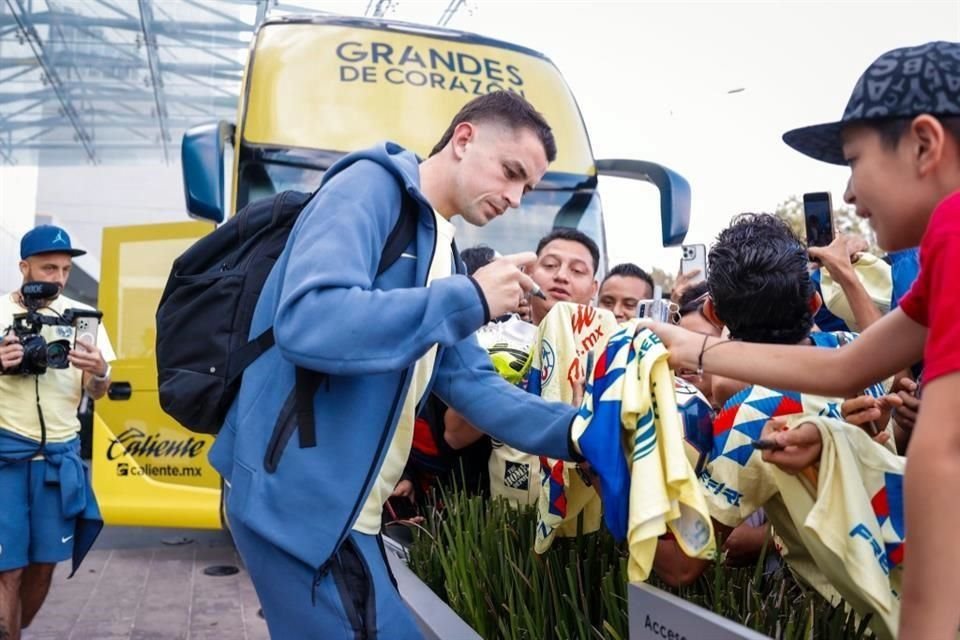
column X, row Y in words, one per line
column 149, row 584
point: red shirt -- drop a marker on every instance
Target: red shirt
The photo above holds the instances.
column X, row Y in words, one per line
column 934, row 300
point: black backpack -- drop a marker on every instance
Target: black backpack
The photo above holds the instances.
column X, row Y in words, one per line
column 204, row 316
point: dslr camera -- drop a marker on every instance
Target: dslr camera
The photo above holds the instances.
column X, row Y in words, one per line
column 38, row 354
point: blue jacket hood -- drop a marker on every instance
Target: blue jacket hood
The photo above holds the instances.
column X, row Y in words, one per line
column 404, row 165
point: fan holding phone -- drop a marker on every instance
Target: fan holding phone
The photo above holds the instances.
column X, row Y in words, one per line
column 818, row 218
column 693, row 270
column 855, row 285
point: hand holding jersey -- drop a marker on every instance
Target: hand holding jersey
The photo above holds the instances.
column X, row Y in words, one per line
column 648, row 481
column 558, row 358
column 852, row 520
column 566, row 335
column 811, row 512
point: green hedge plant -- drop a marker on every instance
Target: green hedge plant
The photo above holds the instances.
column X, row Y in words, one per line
column 477, row 555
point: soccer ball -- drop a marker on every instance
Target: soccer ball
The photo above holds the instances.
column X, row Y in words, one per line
column 510, row 345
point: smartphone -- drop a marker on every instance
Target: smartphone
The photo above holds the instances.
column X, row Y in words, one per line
column 658, row 310
column 694, row 257
column 818, row 218
column 86, row 329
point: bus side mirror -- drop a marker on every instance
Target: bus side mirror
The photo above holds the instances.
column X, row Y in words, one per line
column 202, row 159
column 674, row 193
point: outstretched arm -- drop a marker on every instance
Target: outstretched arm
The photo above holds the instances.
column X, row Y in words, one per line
column 891, row 344
column 467, row 383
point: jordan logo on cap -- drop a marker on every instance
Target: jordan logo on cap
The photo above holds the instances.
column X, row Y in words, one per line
column 60, row 238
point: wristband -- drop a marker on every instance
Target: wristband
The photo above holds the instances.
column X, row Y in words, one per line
column 703, row 349
column 105, row 376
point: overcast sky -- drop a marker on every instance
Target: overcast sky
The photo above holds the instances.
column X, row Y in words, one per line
column 652, row 80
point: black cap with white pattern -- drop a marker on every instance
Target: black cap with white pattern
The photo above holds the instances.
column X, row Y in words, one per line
column 902, row 83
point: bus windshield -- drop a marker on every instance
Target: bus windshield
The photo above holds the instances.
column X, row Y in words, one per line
column 540, row 211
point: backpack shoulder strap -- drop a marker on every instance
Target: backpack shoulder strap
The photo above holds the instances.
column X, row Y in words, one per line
column 403, row 232
column 458, row 265
column 245, row 355
column 308, row 382
column 400, row 236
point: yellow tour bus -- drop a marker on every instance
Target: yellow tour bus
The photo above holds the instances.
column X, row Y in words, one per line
column 315, row 88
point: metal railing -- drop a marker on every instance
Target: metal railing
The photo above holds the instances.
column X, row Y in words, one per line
column 654, row 613
column 436, row 619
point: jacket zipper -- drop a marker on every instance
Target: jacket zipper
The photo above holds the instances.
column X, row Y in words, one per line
column 357, row 611
column 325, row 567
column 281, row 433
column 440, row 348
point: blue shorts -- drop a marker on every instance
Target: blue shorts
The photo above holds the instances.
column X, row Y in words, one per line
column 32, row 527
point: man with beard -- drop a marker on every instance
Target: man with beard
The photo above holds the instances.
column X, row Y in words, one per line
column 40, row 466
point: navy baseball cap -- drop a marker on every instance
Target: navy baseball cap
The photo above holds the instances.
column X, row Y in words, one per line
column 47, row 238
column 902, row 83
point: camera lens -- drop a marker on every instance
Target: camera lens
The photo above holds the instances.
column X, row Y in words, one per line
column 57, row 353
column 34, row 355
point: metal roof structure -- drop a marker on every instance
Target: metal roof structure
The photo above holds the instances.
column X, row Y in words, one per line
column 108, row 81
column 118, row 81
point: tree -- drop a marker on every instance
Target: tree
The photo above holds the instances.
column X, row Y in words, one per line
column 845, row 220
column 662, row 278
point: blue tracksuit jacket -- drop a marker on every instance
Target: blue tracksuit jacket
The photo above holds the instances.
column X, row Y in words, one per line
column 332, row 314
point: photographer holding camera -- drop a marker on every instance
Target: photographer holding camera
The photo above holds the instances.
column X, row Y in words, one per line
column 53, row 349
